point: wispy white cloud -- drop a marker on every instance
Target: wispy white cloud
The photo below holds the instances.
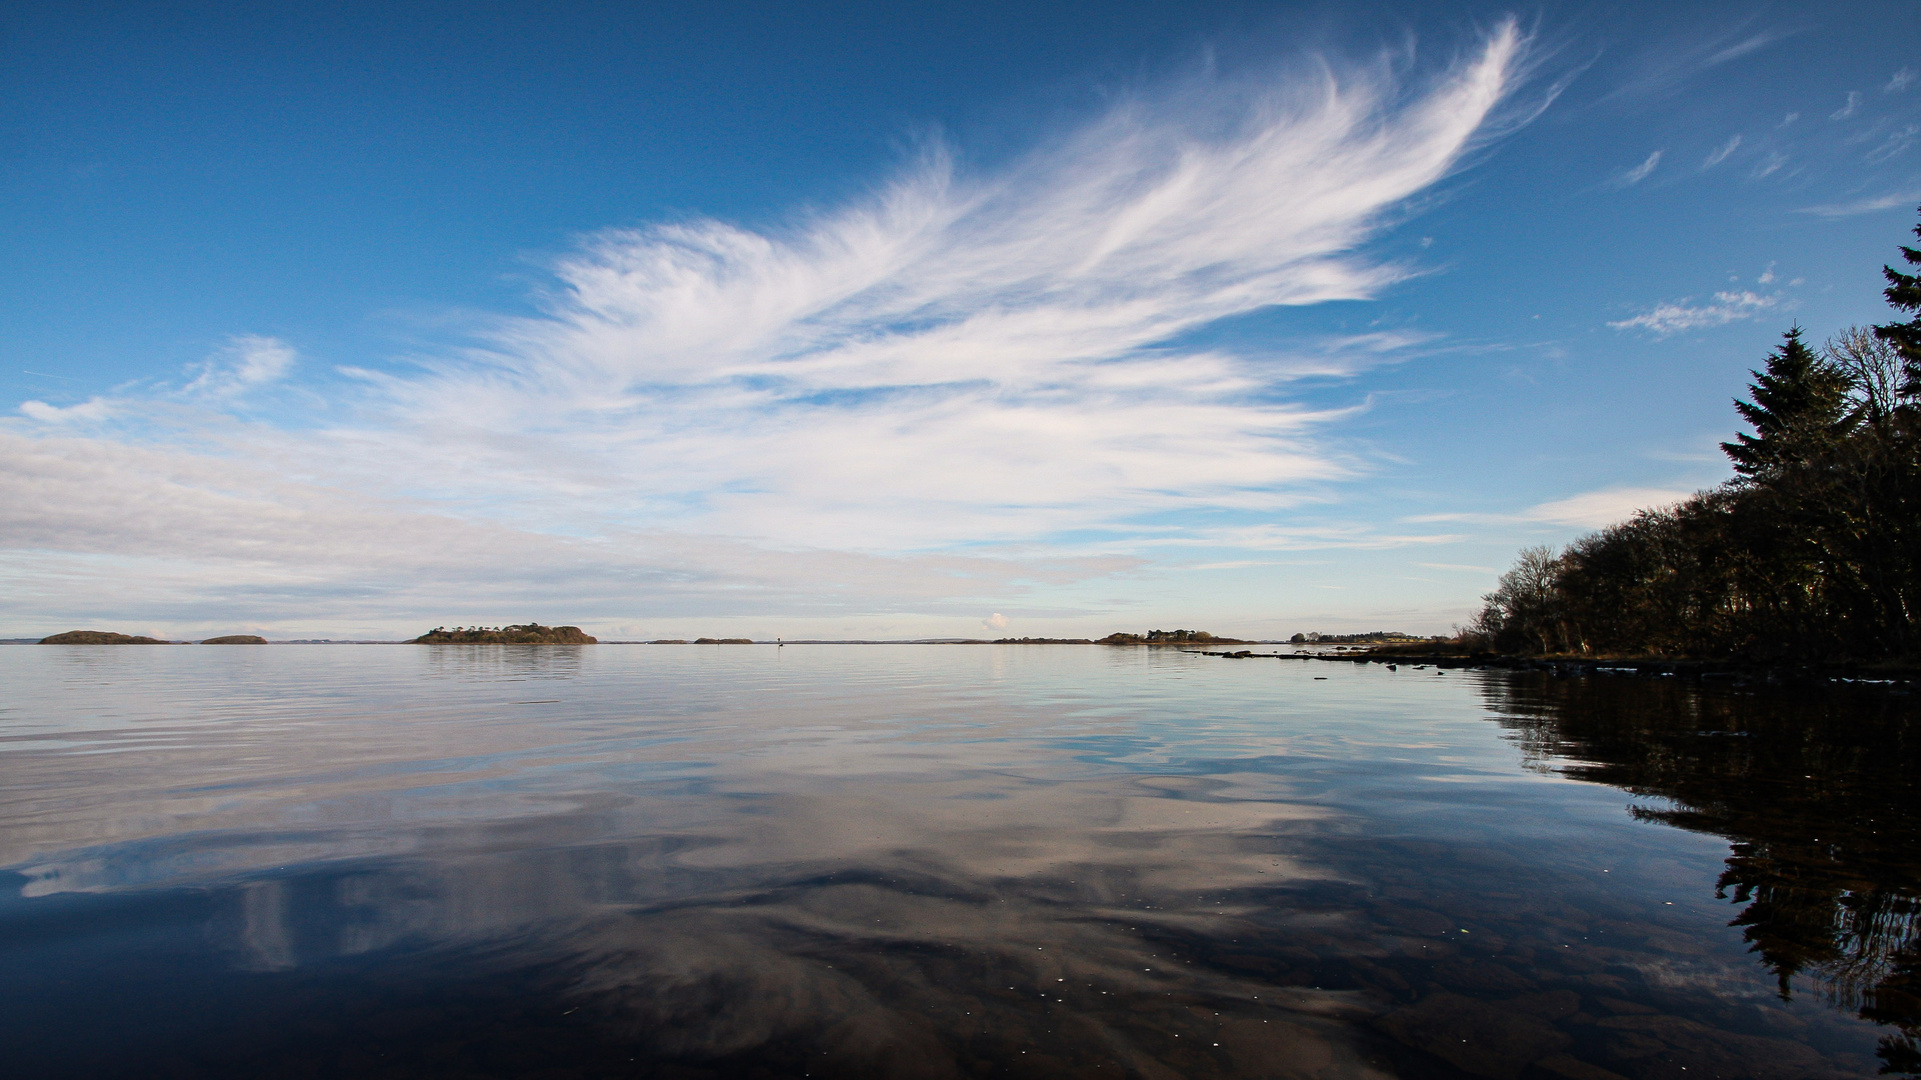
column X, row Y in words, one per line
column 1640, row 172
column 1304, row 537
column 1588, row 510
column 1750, row 44
column 1870, row 205
column 956, row 359
column 1598, row 509
column 1671, row 318
column 94, row 408
column 1663, row 66
column 95, row 528
column 1233, row 564
column 1899, row 81
column 1769, row 164
column 1896, row 143
column 1853, row 106
column 1720, row 153
column 247, row 361
column 973, row 357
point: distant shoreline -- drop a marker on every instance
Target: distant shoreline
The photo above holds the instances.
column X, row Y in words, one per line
column 1733, row 672
column 1188, row 645
column 534, row 633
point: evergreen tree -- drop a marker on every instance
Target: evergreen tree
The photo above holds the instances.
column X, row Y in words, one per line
column 1904, row 294
column 1800, row 411
column 1812, row 552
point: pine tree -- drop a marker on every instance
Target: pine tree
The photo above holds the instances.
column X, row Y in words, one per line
column 1791, row 506
column 1800, row 410
column 1904, row 294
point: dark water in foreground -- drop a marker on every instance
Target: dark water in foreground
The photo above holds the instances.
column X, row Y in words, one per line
column 924, row 861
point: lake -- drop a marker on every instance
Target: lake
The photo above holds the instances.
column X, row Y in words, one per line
column 943, row 861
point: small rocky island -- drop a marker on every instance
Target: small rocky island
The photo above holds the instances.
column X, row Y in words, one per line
column 99, row 637
column 524, row 634
column 236, row 639
column 1169, row 637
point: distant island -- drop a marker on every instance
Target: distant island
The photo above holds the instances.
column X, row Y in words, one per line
column 1372, row 637
column 524, row 634
column 1170, row 637
column 536, row 634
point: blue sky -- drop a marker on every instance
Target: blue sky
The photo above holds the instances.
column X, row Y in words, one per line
column 897, row 321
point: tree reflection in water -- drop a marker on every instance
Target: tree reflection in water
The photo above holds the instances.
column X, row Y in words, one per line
column 1814, row 788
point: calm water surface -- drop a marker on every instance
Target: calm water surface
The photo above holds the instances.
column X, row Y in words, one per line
column 927, row 861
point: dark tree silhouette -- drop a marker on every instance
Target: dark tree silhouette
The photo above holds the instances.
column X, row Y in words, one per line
column 1904, row 294
column 1809, row 553
column 1799, row 412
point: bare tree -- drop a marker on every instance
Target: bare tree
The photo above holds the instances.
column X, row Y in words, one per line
column 1873, row 367
column 1524, row 611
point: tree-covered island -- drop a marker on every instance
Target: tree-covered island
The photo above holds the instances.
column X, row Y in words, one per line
column 1169, row 637
column 522, row 634
column 1371, row 637
column 99, row 637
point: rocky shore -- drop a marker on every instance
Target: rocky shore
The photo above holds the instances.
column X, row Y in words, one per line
column 1636, row 667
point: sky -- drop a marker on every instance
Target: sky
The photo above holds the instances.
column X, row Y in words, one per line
column 898, row 321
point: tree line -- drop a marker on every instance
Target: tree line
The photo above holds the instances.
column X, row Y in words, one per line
column 1807, row 553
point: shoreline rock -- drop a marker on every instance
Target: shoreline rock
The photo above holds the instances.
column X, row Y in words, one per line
column 1722, row 671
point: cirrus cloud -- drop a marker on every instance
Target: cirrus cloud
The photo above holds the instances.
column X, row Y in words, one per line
column 1640, row 172
column 1599, row 509
column 247, row 361
column 957, row 360
column 960, row 358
